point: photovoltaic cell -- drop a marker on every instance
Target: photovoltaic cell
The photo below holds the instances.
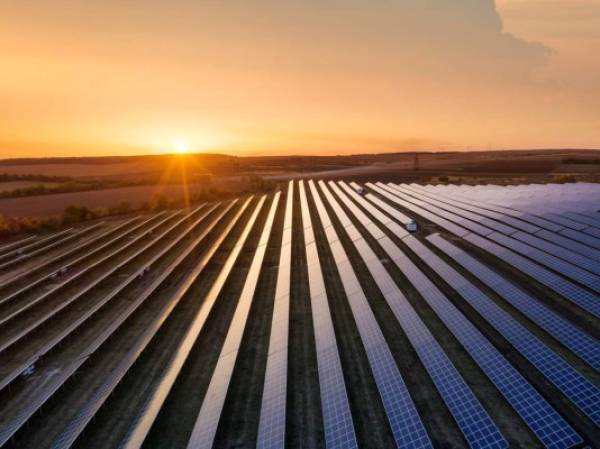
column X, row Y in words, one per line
column 402, row 415
column 271, row 427
column 476, row 425
column 205, row 427
column 571, row 383
column 572, row 337
column 584, row 299
column 337, row 418
column 565, row 268
column 543, row 420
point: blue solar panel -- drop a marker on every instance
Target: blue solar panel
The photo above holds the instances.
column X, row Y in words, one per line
column 565, row 268
column 473, row 420
column 572, row 384
column 404, row 420
column 581, row 218
column 271, row 426
column 584, row 299
column 561, row 266
column 337, row 418
column 576, row 259
column 543, row 420
column 572, row 337
column 586, row 239
column 514, row 232
column 594, row 232
column 536, row 412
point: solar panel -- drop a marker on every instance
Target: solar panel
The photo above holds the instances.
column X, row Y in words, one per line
column 578, row 295
column 572, row 337
column 23, row 410
column 406, row 425
column 337, row 418
column 271, row 426
column 473, row 420
column 565, row 268
column 440, row 221
column 572, row 384
column 570, row 244
column 86, row 413
column 543, row 420
column 514, row 232
column 205, row 427
column 145, row 416
column 594, row 232
column 576, row 259
column 511, row 221
column 586, row 239
column 584, row 299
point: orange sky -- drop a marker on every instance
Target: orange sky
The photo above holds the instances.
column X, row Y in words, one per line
column 311, row 77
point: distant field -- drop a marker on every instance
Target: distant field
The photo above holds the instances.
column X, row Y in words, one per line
column 233, row 173
column 13, row 185
column 49, row 205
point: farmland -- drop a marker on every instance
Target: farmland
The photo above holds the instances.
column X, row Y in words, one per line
column 106, row 181
column 311, row 317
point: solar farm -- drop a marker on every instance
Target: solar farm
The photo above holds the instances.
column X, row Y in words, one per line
column 325, row 315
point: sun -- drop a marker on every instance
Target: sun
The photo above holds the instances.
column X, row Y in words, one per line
column 181, row 147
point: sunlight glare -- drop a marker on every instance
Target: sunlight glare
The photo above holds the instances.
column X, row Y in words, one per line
column 181, row 147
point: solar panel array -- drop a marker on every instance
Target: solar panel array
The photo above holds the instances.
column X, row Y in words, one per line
column 481, row 226
column 113, row 335
column 142, row 422
column 337, row 417
column 517, row 229
column 406, row 425
column 205, row 428
column 475, row 423
column 580, row 296
column 271, row 427
column 24, row 410
column 569, row 335
column 571, row 383
column 543, row 420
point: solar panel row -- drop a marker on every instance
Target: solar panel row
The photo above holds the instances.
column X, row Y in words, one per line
column 578, row 198
column 476, row 425
column 271, row 427
column 570, row 382
column 38, row 244
column 71, row 237
column 565, row 268
column 205, row 427
column 19, row 413
column 543, row 420
column 584, row 299
column 93, row 242
column 337, row 418
column 515, row 230
column 406, row 425
column 572, row 337
column 576, row 294
column 144, row 417
column 26, row 361
column 90, row 407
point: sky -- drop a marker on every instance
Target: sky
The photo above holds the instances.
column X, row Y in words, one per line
column 265, row 77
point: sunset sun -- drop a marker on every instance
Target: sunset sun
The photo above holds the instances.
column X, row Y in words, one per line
column 181, row 147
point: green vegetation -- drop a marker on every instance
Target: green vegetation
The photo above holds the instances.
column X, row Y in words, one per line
column 75, row 213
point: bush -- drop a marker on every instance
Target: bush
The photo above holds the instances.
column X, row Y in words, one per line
column 77, row 214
